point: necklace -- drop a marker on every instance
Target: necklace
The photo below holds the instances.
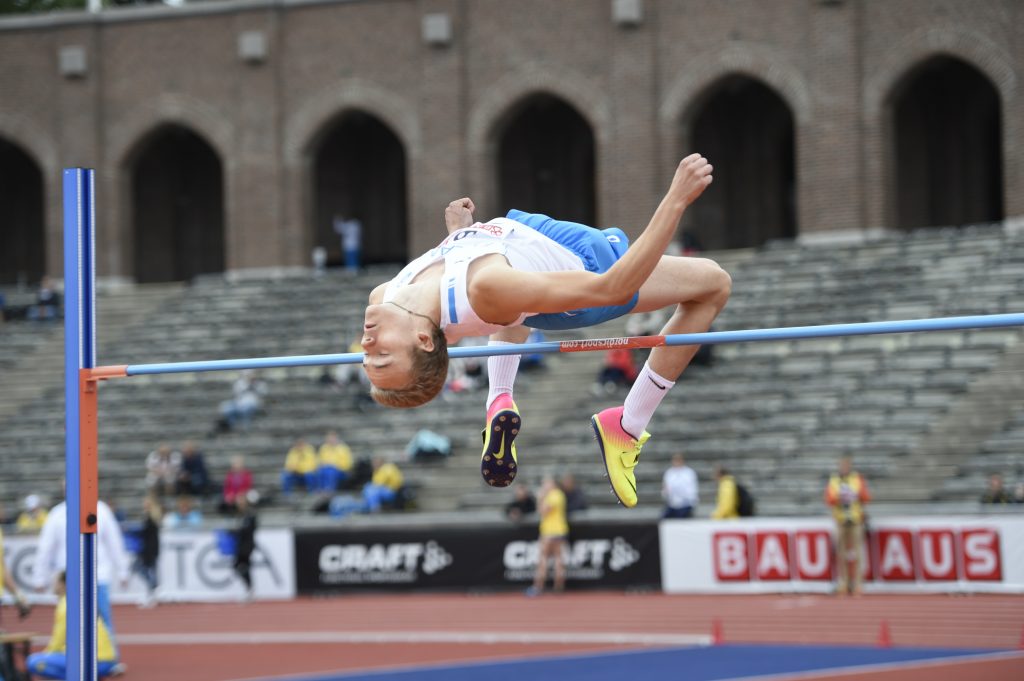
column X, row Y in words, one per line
column 432, row 322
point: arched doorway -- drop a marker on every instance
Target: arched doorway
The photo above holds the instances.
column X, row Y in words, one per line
column 746, row 130
column 947, row 137
column 22, row 233
column 359, row 169
column 546, row 160
column 177, row 207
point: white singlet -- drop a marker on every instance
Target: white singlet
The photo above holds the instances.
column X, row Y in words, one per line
column 525, row 249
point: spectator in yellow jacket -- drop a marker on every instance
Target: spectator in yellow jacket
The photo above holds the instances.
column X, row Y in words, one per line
column 384, row 487
column 52, row 661
column 728, row 496
column 33, row 517
column 335, row 462
column 847, row 493
column 300, row 466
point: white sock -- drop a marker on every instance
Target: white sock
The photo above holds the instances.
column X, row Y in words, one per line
column 501, row 373
column 647, row 392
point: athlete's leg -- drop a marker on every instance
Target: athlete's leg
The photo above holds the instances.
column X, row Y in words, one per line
column 502, row 369
column 699, row 289
column 499, row 460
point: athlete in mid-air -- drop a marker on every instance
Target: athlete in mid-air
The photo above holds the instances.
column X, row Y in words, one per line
column 507, row 275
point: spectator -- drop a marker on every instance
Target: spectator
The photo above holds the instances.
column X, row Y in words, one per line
column 575, row 499
column 679, row 489
column 1018, row 493
column 319, row 256
column 522, row 505
column 237, row 482
column 247, row 399
column 245, row 540
column 47, row 305
column 185, row 516
column 847, row 493
column 619, row 370
column 728, row 501
column 112, row 563
column 300, row 467
column 52, row 661
column 149, row 550
column 335, row 462
column 162, row 467
column 384, row 487
column 996, row 493
column 426, row 445
column 554, row 530
column 193, row 478
column 33, row 517
column 351, row 232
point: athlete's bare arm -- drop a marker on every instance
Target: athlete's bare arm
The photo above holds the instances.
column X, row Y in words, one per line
column 459, row 214
column 499, row 292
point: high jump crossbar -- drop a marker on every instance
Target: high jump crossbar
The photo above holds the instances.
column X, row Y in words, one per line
column 590, row 345
column 81, row 376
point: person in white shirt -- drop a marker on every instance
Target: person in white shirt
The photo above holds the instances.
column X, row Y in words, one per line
column 111, row 556
column 679, row 489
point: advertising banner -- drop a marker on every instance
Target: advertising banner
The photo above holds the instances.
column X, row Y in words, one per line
column 470, row 558
column 954, row 554
column 191, row 568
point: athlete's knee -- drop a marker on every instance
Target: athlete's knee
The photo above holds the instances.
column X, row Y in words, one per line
column 719, row 283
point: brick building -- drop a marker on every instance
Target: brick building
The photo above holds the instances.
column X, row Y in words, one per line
column 229, row 134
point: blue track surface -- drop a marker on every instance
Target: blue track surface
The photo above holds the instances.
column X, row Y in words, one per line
column 689, row 664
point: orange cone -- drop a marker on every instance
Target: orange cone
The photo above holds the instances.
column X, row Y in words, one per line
column 884, row 637
column 717, row 635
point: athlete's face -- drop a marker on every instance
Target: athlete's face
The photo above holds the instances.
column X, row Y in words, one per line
column 389, row 336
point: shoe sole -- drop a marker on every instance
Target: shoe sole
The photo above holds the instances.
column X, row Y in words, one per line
column 604, row 460
column 497, row 465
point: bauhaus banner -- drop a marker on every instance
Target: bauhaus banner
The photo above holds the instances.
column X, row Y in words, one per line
column 899, row 554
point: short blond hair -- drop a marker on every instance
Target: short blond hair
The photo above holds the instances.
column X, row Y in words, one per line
column 430, row 370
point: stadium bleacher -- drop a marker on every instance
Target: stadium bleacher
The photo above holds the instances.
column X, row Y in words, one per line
column 926, row 416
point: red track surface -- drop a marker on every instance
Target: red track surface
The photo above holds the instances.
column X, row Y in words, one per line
column 209, row 642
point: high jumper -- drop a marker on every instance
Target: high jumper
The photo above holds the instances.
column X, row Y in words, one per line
column 507, row 275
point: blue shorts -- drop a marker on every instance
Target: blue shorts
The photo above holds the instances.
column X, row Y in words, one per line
column 599, row 249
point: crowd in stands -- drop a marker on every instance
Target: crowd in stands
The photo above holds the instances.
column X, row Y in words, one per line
column 247, row 395
column 184, row 475
column 998, row 494
column 329, row 479
column 45, row 308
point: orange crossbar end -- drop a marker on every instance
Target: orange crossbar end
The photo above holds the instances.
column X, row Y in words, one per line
column 112, row 371
column 88, row 433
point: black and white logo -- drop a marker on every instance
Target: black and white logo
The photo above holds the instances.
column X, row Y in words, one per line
column 400, row 562
column 585, row 559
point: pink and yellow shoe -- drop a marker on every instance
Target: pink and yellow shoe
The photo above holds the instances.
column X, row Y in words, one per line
column 621, row 452
column 498, row 463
